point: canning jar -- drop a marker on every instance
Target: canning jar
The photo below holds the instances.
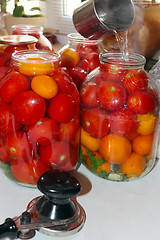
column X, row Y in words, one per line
column 39, row 117
column 10, row 44
column 80, row 56
column 35, row 31
column 119, row 119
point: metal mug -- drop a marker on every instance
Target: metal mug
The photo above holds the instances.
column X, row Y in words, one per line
column 96, row 18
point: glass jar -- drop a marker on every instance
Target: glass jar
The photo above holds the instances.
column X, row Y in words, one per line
column 80, row 56
column 39, row 117
column 119, row 119
column 35, row 31
column 10, row 44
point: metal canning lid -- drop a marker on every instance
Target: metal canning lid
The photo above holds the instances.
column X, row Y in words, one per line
column 17, row 39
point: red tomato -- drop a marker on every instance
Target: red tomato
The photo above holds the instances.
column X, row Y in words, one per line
column 135, row 81
column 64, row 81
column 111, row 95
column 123, row 122
column 8, row 123
column 56, row 154
column 12, row 84
column 84, row 49
column 28, row 107
column 71, row 163
column 62, row 108
column 112, row 72
column 19, row 147
column 78, row 74
column 3, row 59
column 11, row 49
column 4, row 157
column 94, row 121
column 90, row 62
column 28, row 171
column 44, row 131
column 141, row 102
column 3, row 70
column 88, row 95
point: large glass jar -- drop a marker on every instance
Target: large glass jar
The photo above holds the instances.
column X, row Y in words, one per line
column 35, row 31
column 10, row 44
column 119, row 119
column 39, row 117
column 80, row 56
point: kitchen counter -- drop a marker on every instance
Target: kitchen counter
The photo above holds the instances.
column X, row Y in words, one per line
column 114, row 210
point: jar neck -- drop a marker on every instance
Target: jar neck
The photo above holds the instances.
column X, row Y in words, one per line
column 77, row 38
column 27, row 29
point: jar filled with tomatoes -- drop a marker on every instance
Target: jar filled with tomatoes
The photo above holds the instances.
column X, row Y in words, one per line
column 119, row 119
column 39, row 117
column 10, row 44
column 36, row 31
column 80, row 56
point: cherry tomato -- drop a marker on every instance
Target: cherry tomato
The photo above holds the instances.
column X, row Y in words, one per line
column 55, row 154
column 112, row 72
column 44, row 131
column 28, row 171
column 3, row 59
column 111, row 95
column 78, row 75
column 90, row 62
column 135, row 81
column 62, row 108
column 19, row 147
column 8, row 122
column 84, row 49
column 141, row 102
column 69, row 58
column 94, row 121
column 123, row 122
column 71, row 163
column 12, row 84
column 4, row 157
column 28, row 107
column 3, row 70
column 11, row 49
column 88, row 95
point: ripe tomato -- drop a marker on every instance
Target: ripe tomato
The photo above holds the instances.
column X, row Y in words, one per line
column 8, row 123
column 3, row 70
column 69, row 58
column 123, row 122
column 11, row 49
column 4, row 157
column 44, row 131
column 19, row 147
column 112, row 72
column 84, row 49
column 3, row 59
column 88, row 95
column 55, row 154
column 62, row 108
column 111, row 95
column 12, row 84
column 71, row 163
column 28, row 107
column 94, row 121
column 78, row 75
column 135, row 81
column 141, row 102
column 90, row 62
column 28, row 171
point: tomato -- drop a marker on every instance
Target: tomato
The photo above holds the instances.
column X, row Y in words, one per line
column 62, row 108
column 28, row 107
column 44, row 131
column 88, row 95
column 135, row 81
column 11, row 49
column 3, row 59
column 90, row 62
column 12, row 84
column 78, row 74
column 84, row 49
column 112, row 72
column 71, row 163
column 55, row 154
column 3, row 70
column 8, row 122
column 111, row 95
column 69, row 58
column 141, row 102
column 123, row 122
column 19, row 147
column 94, row 121
column 64, row 81
column 4, row 157
column 28, row 171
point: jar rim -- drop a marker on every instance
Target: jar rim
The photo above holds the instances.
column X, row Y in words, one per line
column 17, row 39
column 79, row 38
column 28, row 27
column 31, row 56
column 134, row 59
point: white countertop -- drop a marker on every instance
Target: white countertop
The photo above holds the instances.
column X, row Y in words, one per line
column 114, row 210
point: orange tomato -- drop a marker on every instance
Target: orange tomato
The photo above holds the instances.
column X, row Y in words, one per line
column 115, row 149
column 134, row 165
column 69, row 57
column 147, row 123
column 89, row 142
column 44, row 86
column 142, row 144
